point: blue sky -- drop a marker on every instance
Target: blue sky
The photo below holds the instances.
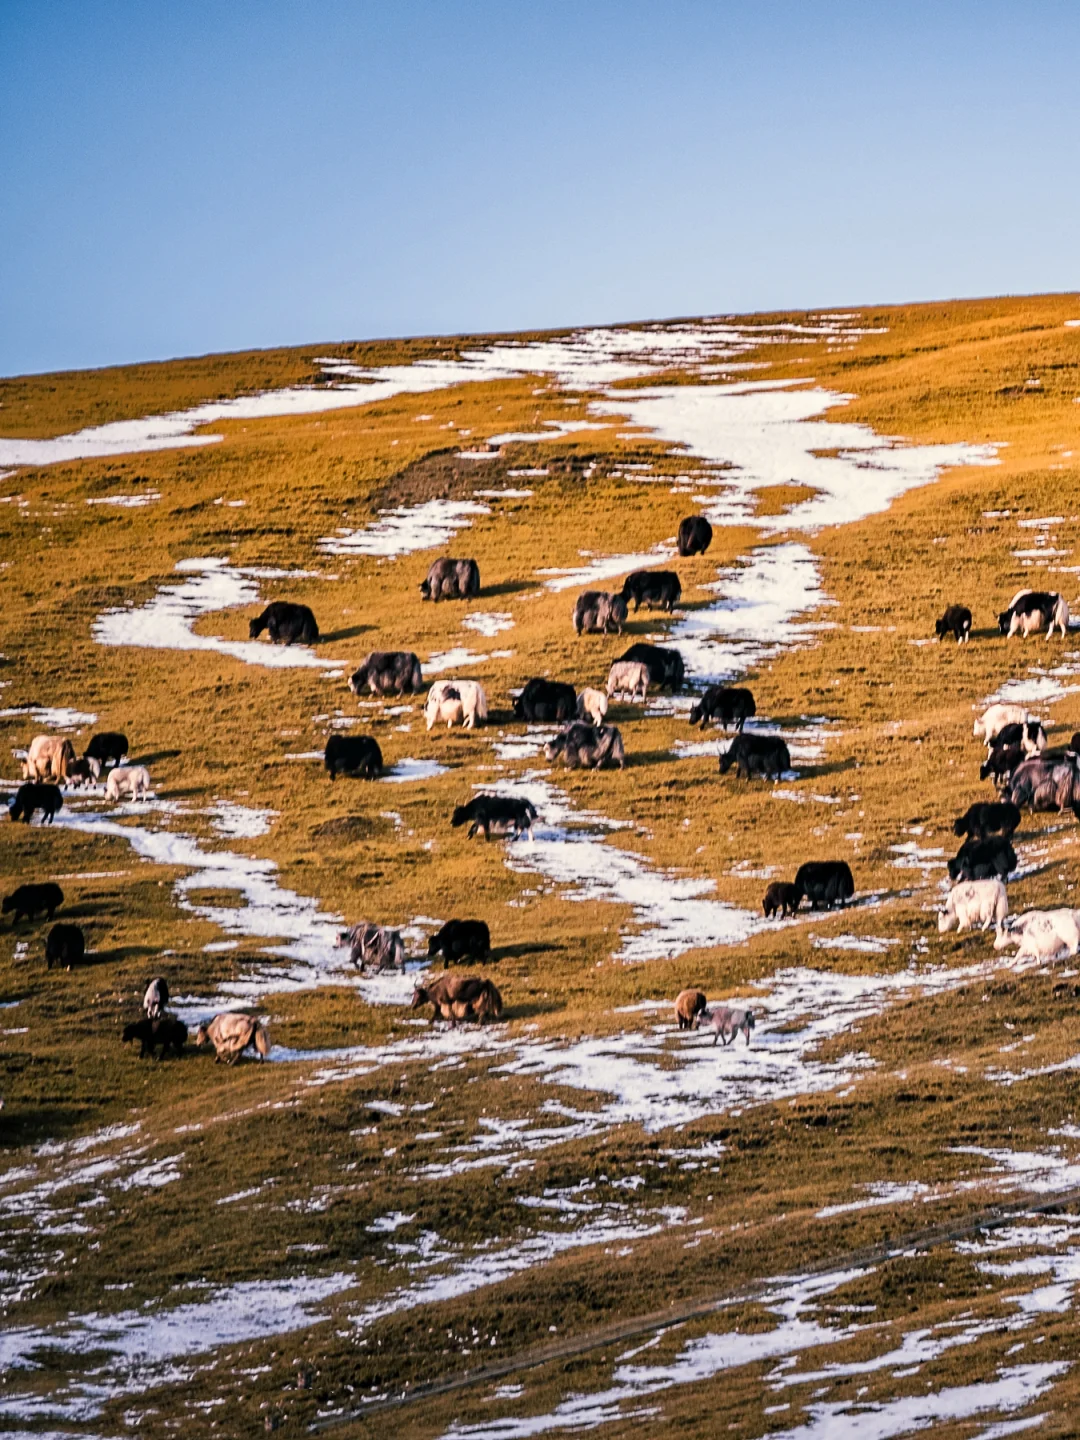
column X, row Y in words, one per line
column 185, row 178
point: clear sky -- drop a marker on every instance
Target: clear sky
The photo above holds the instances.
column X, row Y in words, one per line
column 187, row 177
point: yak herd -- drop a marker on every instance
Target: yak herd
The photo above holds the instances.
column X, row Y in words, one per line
column 1025, row 770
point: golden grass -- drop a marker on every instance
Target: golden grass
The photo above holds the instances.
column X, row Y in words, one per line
column 902, row 757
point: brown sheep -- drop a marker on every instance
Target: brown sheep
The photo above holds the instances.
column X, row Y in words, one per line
column 48, row 758
column 689, row 1006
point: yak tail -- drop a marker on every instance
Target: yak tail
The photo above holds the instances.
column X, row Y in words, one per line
column 262, row 1038
column 481, row 704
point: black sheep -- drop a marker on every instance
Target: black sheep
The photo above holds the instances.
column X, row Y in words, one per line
column 108, row 747
column 983, row 860
column 496, row 814
column 987, row 818
column 825, row 883
column 756, row 755
column 165, row 1030
column 543, row 701
column 659, row 589
column 28, row 900
column 65, row 945
column 353, row 755
column 726, row 706
column 35, row 795
column 780, row 896
column 695, row 535
column 956, row 621
column 287, row 624
column 461, row 940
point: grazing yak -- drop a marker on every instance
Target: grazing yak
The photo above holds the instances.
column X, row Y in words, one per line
column 108, row 747
column 459, row 997
column 455, row 702
column 985, row 818
column 1001, row 764
column 152, row 1031
column 994, row 720
column 1030, row 737
column 658, row 589
column 452, row 580
column 665, row 666
column 542, row 701
column 724, row 706
column 48, row 758
column 156, row 999
column 756, row 755
column 628, row 678
column 34, row 796
column 592, row 705
column 1042, row 935
column 288, row 624
column 690, row 1005
column 131, row 780
column 598, row 613
column 587, row 747
column 32, row 900
column 780, row 896
column 983, row 860
column 1033, row 610
column 85, row 771
column 460, row 940
column 956, row 621
column 65, row 945
column 496, row 814
column 974, row 905
column 388, row 672
column 695, row 535
column 1047, row 782
column 825, row 883
column 231, row 1034
column 373, row 945
column 725, row 1022
column 353, row 755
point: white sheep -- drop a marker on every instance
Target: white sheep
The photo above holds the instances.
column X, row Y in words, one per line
column 592, row 705
column 131, row 780
column 455, row 702
column 628, row 677
column 996, row 718
column 975, row 904
column 1042, row 935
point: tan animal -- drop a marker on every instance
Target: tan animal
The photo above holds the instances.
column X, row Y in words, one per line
column 131, row 780
column 726, row 1022
column 455, row 702
column 629, row 678
column 689, row 1007
column 592, row 705
column 48, row 758
column 232, row 1033
column 459, row 997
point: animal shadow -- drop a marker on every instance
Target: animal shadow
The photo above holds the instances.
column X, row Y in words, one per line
column 350, row 633
column 522, row 949
column 154, row 759
column 507, row 587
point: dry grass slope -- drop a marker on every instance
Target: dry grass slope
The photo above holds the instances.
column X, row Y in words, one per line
column 287, row 1171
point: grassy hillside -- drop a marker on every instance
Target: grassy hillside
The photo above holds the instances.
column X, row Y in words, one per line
column 376, row 1210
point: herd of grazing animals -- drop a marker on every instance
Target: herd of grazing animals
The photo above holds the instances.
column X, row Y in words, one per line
column 1024, row 769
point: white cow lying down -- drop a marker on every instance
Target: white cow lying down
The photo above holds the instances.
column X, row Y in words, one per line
column 997, row 717
column 133, row 780
column 1042, row 935
column 975, row 904
column 456, row 702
